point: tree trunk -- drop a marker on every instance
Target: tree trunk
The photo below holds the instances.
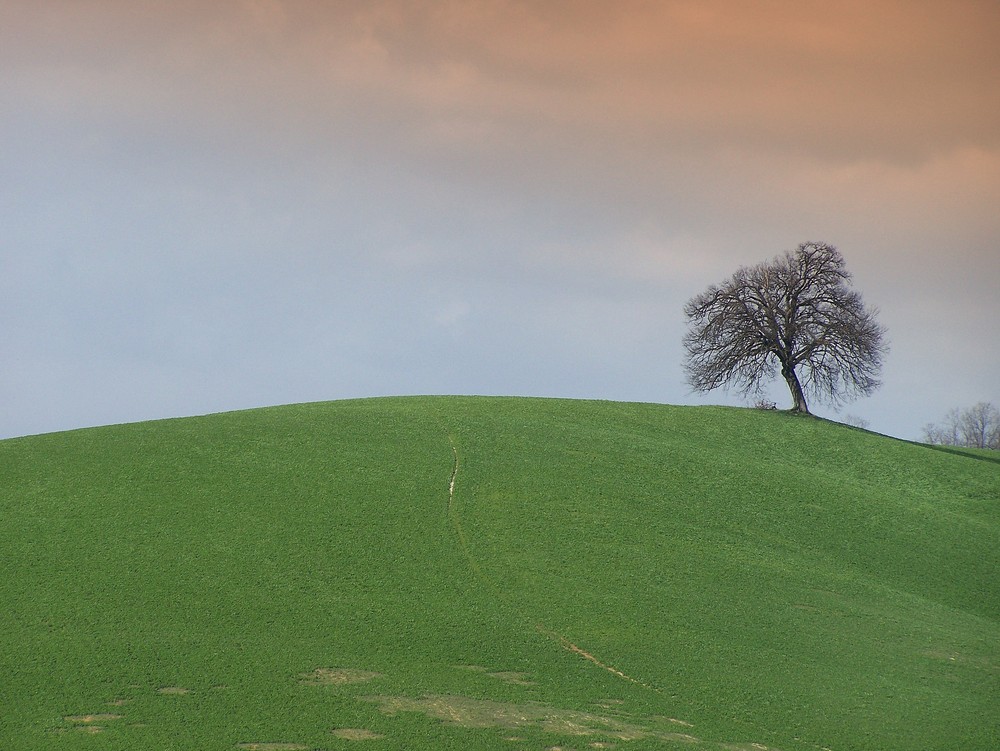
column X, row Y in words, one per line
column 798, row 398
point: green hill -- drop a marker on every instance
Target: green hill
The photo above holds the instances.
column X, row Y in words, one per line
column 487, row 573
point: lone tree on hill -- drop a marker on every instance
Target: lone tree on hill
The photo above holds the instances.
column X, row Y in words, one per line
column 795, row 314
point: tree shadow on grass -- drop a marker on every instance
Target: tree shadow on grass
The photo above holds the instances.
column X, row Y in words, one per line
column 981, row 454
column 985, row 455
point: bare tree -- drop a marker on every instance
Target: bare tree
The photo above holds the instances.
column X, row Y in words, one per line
column 975, row 427
column 796, row 315
column 856, row 421
column 947, row 433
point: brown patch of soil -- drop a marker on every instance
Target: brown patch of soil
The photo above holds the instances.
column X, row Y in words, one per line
column 336, row 676
column 356, row 734
column 484, row 713
column 87, row 719
column 87, row 723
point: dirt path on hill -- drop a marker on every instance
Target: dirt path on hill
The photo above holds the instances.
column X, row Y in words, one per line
column 474, row 565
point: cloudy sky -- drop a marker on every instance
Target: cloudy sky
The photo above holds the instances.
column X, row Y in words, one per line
column 213, row 206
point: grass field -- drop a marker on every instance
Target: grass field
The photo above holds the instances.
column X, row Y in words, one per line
column 488, row 573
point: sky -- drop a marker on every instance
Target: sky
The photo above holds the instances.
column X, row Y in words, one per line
column 243, row 203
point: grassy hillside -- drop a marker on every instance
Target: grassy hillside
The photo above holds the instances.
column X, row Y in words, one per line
column 482, row 573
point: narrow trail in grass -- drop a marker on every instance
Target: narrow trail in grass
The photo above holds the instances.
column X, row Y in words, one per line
column 474, row 565
column 456, row 522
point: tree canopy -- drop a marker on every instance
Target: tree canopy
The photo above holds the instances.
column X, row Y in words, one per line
column 796, row 314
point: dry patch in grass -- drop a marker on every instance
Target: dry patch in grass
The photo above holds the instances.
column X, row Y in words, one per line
column 173, row 690
column 91, row 718
column 88, row 723
column 355, row 734
column 272, row 747
column 483, row 713
column 610, row 705
column 507, row 676
column 513, row 678
column 336, row 676
column 91, row 729
column 673, row 721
